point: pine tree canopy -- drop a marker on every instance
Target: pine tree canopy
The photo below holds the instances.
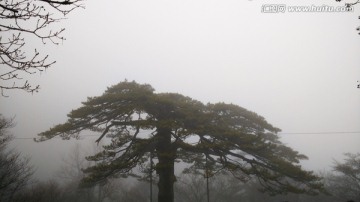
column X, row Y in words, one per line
column 175, row 128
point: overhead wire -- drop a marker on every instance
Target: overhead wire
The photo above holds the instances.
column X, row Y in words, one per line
column 281, row 133
column 316, row 133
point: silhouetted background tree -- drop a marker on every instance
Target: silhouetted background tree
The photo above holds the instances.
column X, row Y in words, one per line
column 15, row 171
column 345, row 182
column 189, row 187
column 20, row 22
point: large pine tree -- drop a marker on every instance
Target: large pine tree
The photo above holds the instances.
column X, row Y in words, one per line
column 176, row 128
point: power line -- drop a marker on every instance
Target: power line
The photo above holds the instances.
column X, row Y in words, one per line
column 283, row 133
column 57, row 137
column 319, row 133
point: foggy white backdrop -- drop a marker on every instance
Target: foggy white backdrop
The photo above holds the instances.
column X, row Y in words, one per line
column 298, row 70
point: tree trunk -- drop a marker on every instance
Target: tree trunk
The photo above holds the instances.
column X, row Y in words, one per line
column 165, row 166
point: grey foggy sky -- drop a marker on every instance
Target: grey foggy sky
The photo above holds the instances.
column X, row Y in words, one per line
column 298, row 70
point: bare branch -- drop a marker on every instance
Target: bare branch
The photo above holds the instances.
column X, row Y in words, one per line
column 24, row 18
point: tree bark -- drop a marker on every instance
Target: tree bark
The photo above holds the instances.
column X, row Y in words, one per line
column 165, row 166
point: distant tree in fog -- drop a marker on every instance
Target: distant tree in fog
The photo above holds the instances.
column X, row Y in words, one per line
column 190, row 188
column 71, row 173
column 345, row 183
column 73, row 165
column 210, row 137
column 222, row 187
column 15, row 171
column 225, row 188
column 50, row 191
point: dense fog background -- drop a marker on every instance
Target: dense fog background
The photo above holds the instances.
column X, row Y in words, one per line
column 298, row 70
